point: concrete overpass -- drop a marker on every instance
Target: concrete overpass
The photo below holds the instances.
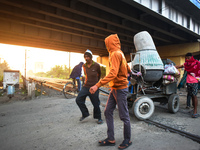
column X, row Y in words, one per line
column 77, row 25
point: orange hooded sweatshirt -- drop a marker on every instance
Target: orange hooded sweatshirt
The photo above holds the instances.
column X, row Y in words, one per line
column 118, row 71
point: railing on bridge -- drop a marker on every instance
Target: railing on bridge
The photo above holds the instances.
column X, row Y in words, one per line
column 172, row 14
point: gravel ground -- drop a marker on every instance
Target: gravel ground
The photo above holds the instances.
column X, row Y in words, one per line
column 52, row 123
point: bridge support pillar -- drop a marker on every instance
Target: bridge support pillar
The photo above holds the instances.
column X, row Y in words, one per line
column 105, row 61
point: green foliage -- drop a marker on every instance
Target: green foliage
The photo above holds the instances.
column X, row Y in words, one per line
column 58, row 72
column 55, row 71
column 37, row 93
column 41, row 74
column 3, row 66
column 103, row 72
column 61, row 72
column 65, row 74
column 30, row 73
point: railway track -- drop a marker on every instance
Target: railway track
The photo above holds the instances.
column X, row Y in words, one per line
column 180, row 132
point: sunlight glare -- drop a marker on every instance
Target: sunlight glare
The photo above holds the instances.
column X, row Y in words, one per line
column 15, row 57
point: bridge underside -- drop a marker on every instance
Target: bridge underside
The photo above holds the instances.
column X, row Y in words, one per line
column 77, row 25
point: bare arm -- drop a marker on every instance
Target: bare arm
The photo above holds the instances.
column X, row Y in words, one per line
column 179, row 66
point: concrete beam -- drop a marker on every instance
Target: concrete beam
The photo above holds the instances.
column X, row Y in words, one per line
column 178, row 49
column 176, row 53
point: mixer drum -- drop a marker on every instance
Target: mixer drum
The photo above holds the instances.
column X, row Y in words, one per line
column 149, row 75
column 147, row 58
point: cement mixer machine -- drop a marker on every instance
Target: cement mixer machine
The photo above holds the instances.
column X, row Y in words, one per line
column 150, row 87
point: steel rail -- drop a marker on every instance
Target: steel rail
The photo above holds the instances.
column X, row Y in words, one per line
column 104, row 91
column 180, row 132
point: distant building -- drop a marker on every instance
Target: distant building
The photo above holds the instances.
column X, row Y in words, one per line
column 39, row 67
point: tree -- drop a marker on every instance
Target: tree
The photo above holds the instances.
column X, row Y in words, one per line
column 41, row 74
column 58, row 72
column 103, row 72
column 66, row 72
column 30, row 73
column 55, row 72
column 3, row 66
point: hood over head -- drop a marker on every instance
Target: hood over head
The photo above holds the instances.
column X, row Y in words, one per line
column 112, row 43
column 81, row 64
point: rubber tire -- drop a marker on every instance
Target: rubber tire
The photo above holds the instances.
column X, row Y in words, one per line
column 69, row 93
column 138, row 102
column 171, row 102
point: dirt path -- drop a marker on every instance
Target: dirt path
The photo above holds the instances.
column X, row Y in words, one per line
column 53, row 124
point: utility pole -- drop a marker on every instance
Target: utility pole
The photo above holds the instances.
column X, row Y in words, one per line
column 69, row 63
column 25, row 65
column 24, row 79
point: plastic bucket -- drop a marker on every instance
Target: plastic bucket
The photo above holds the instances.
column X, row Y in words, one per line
column 11, row 90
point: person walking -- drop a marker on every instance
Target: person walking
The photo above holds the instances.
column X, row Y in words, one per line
column 192, row 66
column 76, row 74
column 92, row 73
column 117, row 78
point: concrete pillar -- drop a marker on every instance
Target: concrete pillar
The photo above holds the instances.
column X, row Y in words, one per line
column 104, row 61
column 31, row 90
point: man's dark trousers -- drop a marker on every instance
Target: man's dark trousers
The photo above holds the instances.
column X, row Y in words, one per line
column 80, row 100
column 118, row 97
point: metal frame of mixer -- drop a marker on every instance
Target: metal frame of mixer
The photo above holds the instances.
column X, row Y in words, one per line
column 141, row 103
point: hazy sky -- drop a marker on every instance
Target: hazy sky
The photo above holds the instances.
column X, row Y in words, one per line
column 15, row 57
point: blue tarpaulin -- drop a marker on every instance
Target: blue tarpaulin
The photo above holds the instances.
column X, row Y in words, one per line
column 196, row 3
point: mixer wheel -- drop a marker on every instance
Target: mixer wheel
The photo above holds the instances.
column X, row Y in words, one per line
column 173, row 103
column 143, row 108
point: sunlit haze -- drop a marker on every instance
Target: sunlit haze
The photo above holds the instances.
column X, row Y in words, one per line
column 15, row 57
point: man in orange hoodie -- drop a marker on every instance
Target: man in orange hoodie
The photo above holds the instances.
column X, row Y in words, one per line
column 117, row 78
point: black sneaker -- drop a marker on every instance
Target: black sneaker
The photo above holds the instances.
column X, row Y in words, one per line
column 100, row 121
column 82, row 118
column 187, row 107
